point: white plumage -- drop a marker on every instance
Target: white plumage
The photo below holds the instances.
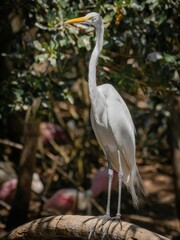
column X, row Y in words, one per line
column 111, row 122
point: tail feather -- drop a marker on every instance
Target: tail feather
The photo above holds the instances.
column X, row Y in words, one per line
column 136, row 188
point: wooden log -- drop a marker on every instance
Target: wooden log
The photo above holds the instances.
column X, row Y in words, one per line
column 75, row 226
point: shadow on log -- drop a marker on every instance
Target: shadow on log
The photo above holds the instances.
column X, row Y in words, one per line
column 75, row 226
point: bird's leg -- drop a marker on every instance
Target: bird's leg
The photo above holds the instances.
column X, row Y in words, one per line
column 105, row 217
column 120, row 175
column 118, row 214
column 110, row 178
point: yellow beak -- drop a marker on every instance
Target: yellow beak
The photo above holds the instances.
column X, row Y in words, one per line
column 77, row 20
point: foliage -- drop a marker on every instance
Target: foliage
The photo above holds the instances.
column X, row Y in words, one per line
column 140, row 50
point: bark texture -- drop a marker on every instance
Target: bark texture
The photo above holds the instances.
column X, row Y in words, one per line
column 75, row 226
column 19, row 211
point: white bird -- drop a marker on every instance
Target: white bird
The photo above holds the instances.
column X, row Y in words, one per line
column 112, row 123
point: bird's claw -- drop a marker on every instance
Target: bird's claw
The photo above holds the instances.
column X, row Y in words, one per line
column 92, row 231
column 111, row 220
column 105, row 219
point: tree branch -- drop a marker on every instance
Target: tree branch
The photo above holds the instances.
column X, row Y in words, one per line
column 73, row 226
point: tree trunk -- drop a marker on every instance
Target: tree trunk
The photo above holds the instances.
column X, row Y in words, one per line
column 175, row 146
column 20, row 205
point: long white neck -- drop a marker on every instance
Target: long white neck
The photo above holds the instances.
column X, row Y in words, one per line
column 93, row 91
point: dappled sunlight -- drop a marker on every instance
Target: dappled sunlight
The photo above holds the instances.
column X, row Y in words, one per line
column 51, row 161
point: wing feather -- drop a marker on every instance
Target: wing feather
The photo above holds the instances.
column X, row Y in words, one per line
column 122, row 127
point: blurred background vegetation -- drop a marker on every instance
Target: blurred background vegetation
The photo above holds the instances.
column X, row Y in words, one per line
column 41, row 58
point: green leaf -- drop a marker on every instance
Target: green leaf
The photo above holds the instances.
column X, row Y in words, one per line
column 169, row 58
column 39, row 46
column 41, row 57
column 84, row 41
column 52, row 61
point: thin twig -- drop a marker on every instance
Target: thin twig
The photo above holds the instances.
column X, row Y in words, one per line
column 11, row 144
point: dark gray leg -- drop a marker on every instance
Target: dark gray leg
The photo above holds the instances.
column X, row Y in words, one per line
column 110, row 178
column 120, row 175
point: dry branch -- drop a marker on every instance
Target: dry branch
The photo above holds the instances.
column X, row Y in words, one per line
column 73, row 226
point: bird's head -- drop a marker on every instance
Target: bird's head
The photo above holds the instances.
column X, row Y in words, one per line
column 92, row 19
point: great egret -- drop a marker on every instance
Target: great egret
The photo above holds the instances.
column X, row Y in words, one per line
column 112, row 123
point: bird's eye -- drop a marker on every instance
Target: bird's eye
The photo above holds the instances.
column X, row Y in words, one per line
column 93, row 19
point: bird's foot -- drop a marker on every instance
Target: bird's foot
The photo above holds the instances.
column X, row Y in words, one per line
column 110, row 220
column 96, row 225
column 104, row 219
column 116, row 218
